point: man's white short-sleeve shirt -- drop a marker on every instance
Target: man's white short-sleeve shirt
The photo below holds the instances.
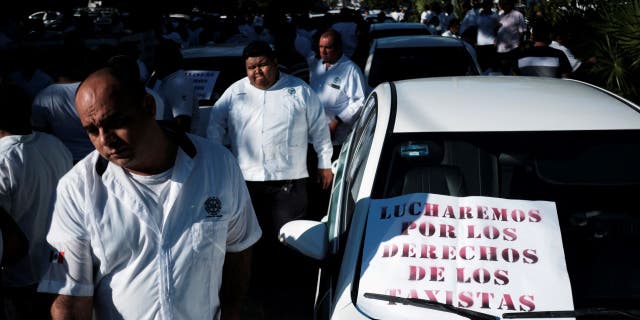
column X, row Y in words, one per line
column 110, row 244
column 30, row 167
column 341, row 92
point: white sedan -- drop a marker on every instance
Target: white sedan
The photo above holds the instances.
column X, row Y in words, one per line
column 563, row 142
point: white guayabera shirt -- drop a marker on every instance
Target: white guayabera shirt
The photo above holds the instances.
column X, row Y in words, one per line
column 111, row 243
column 270, row 129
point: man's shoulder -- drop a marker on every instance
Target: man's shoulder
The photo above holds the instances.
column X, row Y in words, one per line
column 57, row 89
column 208, row 148
column 539, row 51
column 293, row 81
column 47, row 141
column 83, row 172
column 353, row 67
column 238, row 86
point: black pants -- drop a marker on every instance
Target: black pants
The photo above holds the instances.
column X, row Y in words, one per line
column 282, row 280
column 486, row 57
column 24, row 303
column 278, row 202
column 507, row 60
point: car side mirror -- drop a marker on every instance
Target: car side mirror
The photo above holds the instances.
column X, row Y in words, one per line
column 307, row 237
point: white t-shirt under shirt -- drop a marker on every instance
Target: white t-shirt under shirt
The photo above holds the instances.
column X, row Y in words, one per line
column 155, row 190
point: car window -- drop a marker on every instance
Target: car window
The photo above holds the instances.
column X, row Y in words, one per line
column 333, row 219
column 362, row 141
column 410, row 63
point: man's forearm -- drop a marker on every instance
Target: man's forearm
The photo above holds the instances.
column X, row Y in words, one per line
column 235, row 283
column 71, row 308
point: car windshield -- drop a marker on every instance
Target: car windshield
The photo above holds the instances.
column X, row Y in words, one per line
column 410, row 63
column 591, row 178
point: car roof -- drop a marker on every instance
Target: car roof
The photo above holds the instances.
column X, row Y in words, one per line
column 416, row 41
column 213, row 51
column 507, row 103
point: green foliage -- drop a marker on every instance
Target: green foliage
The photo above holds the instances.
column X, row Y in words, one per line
column 608, row 30
column 617, row 44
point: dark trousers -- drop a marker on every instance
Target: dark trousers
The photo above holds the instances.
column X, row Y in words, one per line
column 24, row 303
column 282, row 281
column 486, row 57
column 507, row 60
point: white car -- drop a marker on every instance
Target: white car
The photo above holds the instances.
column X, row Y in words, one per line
column 410, row 57
column 562, row 141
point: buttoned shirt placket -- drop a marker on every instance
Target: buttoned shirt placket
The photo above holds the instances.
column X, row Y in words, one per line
column 182, row 167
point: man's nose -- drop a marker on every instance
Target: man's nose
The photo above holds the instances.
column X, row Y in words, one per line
column 105, row 136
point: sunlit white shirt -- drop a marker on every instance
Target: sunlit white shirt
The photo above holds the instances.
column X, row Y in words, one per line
column 269, row 129
column 110, row 242
column 341, row 91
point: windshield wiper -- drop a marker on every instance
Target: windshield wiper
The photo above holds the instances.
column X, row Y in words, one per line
column 570, row 314
column 473, row 315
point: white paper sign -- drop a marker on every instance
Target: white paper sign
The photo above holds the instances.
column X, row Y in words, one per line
column 203, row 82
column 485, row 254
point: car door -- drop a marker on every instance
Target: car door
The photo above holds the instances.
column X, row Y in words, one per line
column 348, row 176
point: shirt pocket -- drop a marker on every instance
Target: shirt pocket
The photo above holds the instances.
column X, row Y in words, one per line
column 333, row 93
column 208, row 239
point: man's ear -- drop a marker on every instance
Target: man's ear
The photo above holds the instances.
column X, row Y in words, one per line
column 149, row 105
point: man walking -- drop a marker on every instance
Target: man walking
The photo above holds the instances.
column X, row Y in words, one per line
column 143, row 225
column 269, row 118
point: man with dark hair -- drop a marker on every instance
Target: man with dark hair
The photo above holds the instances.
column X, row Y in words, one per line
column 269, row 118
column 141, row 227
column 31, row 163
column 540, row 60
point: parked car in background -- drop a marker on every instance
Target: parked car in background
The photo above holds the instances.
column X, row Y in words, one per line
column 213, row 69
column 410, row 57
column 562, row 141
column 381, row 30
column 224, row 61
